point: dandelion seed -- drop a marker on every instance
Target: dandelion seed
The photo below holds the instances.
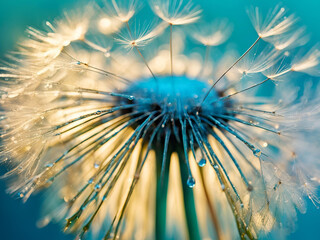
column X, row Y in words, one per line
column 213, row 34
column 276, row 23
column 265, row 59
column 309, row 63
column 122, row 10
column 175, row 12
column 138, row 144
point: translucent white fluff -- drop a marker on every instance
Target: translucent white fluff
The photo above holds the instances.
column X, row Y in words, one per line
column 176, row 12
column 308, row 63
column 121, row 9
column 274, row 24
column 213, row 34
column 259, row 62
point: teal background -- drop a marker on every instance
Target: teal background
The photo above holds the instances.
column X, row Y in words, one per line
column 17, row 220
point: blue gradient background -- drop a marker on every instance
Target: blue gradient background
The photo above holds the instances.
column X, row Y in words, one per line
column 18, row 220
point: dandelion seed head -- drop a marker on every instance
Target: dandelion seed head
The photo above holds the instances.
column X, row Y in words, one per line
column 164, row 140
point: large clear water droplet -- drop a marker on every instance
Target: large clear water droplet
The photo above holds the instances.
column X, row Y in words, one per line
column 191, row 182
column 202, row 162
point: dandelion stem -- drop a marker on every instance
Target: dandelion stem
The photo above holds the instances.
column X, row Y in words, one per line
column 238, row 60
column 188, row 197
column 161, row 193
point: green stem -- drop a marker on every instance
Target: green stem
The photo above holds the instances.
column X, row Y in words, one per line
column 188, row 197
column 161, row 194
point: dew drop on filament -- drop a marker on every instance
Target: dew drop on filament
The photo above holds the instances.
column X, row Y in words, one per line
column 257, row 152
column 97, row 187
column 90, row 181
column 96, row 165
column 191, row 182
column 202, row 162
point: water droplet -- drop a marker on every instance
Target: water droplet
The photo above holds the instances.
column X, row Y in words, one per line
column 257, row 152
column 191, row 182
column 98, row 112
column 216, row 166
column 97, row 187
column 96, row 165
column 130, row 98
column 241, row 205
column 49, row 165
column 202, row 162
column 223, row 187
column 90, row 181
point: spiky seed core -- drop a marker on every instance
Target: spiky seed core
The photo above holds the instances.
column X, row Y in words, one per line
column 182, row 97
column 175, row 103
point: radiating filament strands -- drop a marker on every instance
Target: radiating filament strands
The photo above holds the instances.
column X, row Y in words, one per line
column 154, row 133
column 215, row 163
column 140, row 54
column 227, row 117
column 221, row 142
column 259, row 110
column 147, row 65
column 134, row 181
column 191, row 181
column 127, row 144
column 212, row 211
column 113, row 94
column 99, row 142
column 238, row 60
column 243, row 90
column 137, row 134
column 232, row 131
column 214, row 160
column 112, row 128
column 99, row 112
column 165, row 152
column 95, row 69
